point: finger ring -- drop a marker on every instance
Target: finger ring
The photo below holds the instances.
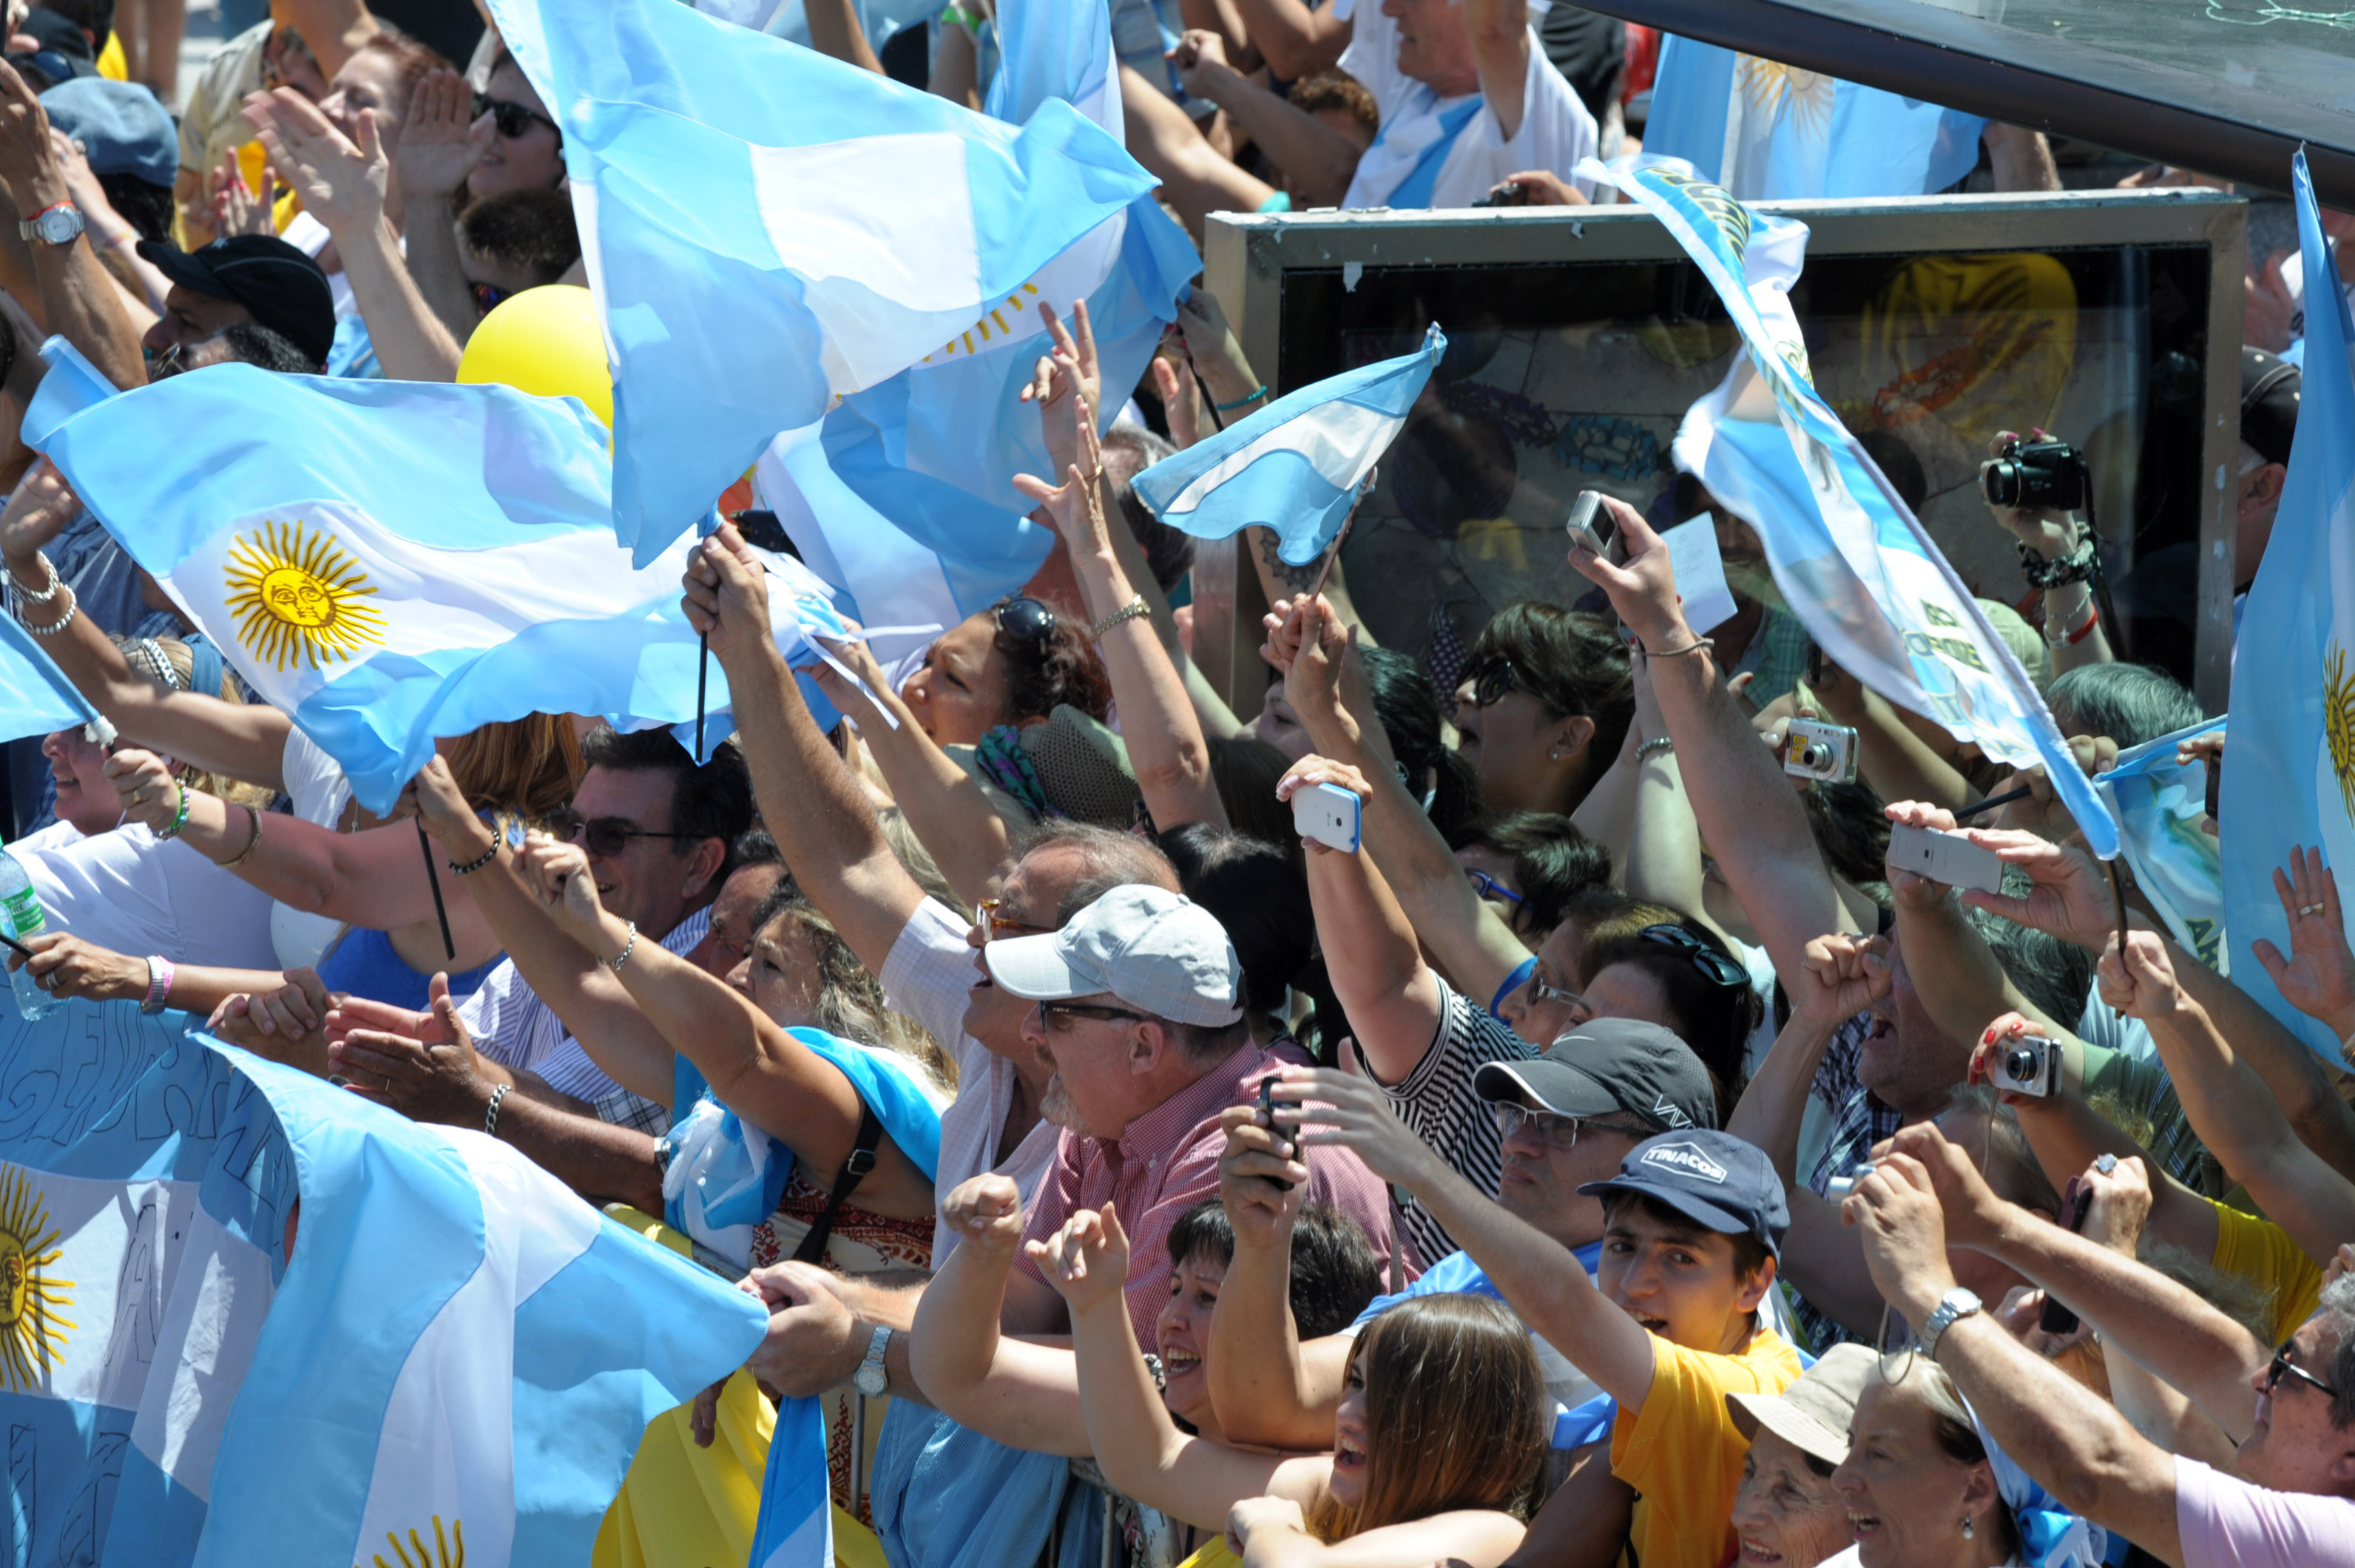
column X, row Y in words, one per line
column 2105, row 1162
column 2305, row 910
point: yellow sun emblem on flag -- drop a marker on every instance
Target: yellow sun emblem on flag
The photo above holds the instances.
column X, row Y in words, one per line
column 32, row 1335
column 1015, row 302
column 1769, row 87
column 448, row 1551
column 297, row 597
column 2339, row 723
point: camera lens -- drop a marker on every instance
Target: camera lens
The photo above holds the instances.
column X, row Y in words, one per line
column 1815, row 754
column 2021, row 1062
column 1999, row 483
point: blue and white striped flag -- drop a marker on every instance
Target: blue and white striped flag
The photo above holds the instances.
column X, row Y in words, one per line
column 2176, row 863
column 1851, row 558
column 259, row 1321
column 2289, row 775
column 1763, row 131
column 401, row 560
column 35, row 695
column 1296, row 465
column 766, row 229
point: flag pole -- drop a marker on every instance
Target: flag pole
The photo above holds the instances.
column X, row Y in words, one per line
column 702, row 675
column 433, row 880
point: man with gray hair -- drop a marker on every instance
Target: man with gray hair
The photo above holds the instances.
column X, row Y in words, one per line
column 1138, row 1007
column 2286, row 1416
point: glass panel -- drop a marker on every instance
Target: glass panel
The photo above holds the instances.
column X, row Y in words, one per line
column 1564, row 377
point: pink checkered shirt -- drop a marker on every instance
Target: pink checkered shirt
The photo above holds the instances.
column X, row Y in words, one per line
column 1167, row 1161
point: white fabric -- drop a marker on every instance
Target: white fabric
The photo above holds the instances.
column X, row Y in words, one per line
column 1372, row 57
column 316, row 785
column 132, row 892
column 511, row 1025
column 1556, row 131
column 926, row 975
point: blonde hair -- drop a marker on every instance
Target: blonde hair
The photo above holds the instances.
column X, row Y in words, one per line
column 171, row 664
column 530, row 766
column 849, row 998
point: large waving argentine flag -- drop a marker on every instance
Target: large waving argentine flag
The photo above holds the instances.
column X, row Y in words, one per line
column 1296, row 465
column 2292, row 778
column 396, row 560
column 35, row 695
column 765, row 228
column 255, row 1320
column 1762, row 131
column 1851, row 558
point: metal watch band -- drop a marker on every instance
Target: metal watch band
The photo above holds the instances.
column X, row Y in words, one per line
column 1953, row 1308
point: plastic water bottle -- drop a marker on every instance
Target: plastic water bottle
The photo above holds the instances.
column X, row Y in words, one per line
column 25, row 919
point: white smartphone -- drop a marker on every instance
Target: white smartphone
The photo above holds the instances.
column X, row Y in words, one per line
column 1947, row 858
column 1329, row 815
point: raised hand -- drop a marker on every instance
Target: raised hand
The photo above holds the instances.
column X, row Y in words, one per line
column 38, row 510
column 1845, row 974
column 2048, row 533
column 1643, row 586
column 1911, row 888
column 1896, row 1212
column 727, row 594
column 2001, row 1036
column 1353, row 1113
column 2070, row 898
column 1257, row 1158
column 341, row 182
column 561, row 883
column 143, row 783
column 2317, row 979
column 2140, row 981
column 439, row 147
column 985, row 1212
column 434, row 796
column 2118, row 1202
column 1070, row 367
column 1086, row 1261
column 238, row 209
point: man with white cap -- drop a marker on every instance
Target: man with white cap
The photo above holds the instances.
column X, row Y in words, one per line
column 1139, row 1015
column 1786, row 1510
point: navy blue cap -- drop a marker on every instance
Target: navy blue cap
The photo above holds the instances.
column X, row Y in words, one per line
column 1710, row 1177
column 121, row 127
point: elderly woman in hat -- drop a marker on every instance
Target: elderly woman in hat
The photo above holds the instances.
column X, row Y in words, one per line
column 1785, row 1511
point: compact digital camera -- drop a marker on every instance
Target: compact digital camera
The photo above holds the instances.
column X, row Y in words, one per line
column 1824, row 753
column 2029, row 1065
column 2036, row 476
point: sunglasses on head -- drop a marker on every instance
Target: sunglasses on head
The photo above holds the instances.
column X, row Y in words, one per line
column 1025, row 620
column 602, row 835
column 513, row 120
column 1720, row 969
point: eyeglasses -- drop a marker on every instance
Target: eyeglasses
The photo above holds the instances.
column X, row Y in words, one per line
column 1049, row 1011
column 1540, row 993
column 993, row 925
column 2282, row 1365
column 1025, row 620
column 1555, row 1131
column 488, row 296
column 602, row 835
column 1490, row 887
column 1716, row 966
column 1492, row 678
column 513, row 120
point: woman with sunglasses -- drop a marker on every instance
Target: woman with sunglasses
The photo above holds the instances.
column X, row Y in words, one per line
column 1542, row 707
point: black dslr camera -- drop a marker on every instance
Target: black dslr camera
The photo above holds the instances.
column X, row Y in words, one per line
column 2036, row 476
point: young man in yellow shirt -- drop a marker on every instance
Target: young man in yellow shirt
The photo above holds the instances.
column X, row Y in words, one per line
column 1671, row 1321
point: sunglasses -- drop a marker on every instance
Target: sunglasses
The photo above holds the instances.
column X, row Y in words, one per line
column 1492, row 679
column 1049, row 1011
column 2282, row 1366
column 1555, row 1131
column 513, row 120
column 1025, row 620
column 602, row 835
column 1490, row 887
column 993, row 925
column 1716, row 966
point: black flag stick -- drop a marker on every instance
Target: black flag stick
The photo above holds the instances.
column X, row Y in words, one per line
column 702, row 675
column 433, row 880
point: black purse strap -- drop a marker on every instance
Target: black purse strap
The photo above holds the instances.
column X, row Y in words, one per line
column 846, row 1183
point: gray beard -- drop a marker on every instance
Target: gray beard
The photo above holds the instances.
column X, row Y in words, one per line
column 1056, row 1107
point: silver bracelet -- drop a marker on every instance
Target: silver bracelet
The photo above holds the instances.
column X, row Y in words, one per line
column 46, row 594
column 615, row 963
column 1128, row 612
column 1692, row 648
column 1661, row 744
column 491, row 1116
column 73, row 608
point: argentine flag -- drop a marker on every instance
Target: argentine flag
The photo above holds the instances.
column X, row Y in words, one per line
column 2176, row 863
column 36, row 697
column 766, row 229
column 2290, row 773
column 1763, row 132
column 1851, row 558
column 259, row 1321
column 398, row 560
column 1296, row 465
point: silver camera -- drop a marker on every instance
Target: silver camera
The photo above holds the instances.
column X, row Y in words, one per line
column 1824, row 753
column 2028, row 1065
column 1836, row 1189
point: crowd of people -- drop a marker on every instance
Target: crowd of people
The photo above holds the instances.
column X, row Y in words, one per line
column 1612, row 1158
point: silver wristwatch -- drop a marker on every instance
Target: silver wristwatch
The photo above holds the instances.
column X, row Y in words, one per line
column 871, row 1379
column 1953, row 1306
column 54, row 225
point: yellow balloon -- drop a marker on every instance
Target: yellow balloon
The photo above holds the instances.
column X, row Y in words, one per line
column 545, row 341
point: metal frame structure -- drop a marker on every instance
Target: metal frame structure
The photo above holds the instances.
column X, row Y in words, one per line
column 1248, row 257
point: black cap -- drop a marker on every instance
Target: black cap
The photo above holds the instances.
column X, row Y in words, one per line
column 63, row 51
column 1606, row 1065
column 2269, row 392
column 1710, row 1177
column 283, row 288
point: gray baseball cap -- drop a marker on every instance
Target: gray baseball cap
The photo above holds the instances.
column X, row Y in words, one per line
column 1159, row 952
column 1606, row 1065
column 1812, row 1414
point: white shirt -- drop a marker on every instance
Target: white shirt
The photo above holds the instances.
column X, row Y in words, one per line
column 132, row 892
column 1555, row 132
column 316, row 785
column 927, row 976
column 1373, row 55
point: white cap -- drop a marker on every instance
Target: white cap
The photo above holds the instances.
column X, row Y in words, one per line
column 1162, row 953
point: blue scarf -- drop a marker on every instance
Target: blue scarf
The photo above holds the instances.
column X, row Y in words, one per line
column 1414, row 191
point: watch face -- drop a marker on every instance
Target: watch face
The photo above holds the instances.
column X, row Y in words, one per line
column 59, row 224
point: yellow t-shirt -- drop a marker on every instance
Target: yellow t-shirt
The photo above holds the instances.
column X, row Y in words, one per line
column 1214, row 1555
column 2263, row 1252
column 1683, row 1454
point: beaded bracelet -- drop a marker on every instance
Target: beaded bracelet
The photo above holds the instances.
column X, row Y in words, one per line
column 1238, row 402
column 179, row 812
